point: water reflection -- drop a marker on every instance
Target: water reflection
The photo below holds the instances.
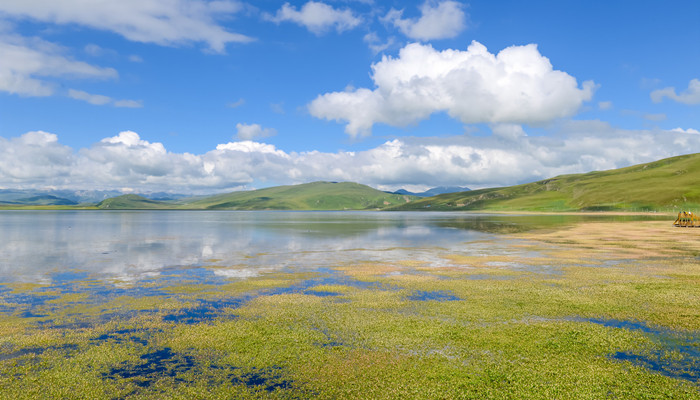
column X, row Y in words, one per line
column 130, row 245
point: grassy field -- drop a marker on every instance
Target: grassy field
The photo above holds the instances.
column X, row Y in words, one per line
column 665, row 185
column 588, row 311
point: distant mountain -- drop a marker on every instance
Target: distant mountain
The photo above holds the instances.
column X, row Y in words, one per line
column 41, row 200
column 434, row 191
column 47, row 200
column 669, row 184
column 70, row 197
column 308, row 196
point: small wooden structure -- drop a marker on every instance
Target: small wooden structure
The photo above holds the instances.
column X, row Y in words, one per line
column 687, row 219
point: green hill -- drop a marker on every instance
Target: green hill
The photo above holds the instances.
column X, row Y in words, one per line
column 666, row 185
column 308, row 196
column 131, row 202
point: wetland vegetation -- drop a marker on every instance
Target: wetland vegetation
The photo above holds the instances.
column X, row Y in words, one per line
column 293, row 305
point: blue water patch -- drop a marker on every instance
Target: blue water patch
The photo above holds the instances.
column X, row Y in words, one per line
column 687, row 368
column 678, row 356
column 321, row 293
column 206, row 310
column 167, row 363
column 157, row 364
column 438, row 295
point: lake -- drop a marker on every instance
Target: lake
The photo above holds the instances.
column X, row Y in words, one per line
column 37, row 246
column 385, row 305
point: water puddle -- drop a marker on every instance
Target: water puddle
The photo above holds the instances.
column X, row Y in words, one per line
column 677, row 356
column 165, row 363
column 438, row 295
column 157, row 364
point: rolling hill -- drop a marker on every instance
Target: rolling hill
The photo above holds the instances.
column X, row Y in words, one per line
column 132, row 202
column 665, row 185
column 308, row 196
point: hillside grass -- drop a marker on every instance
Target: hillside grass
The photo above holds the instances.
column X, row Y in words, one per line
column 309, row 196
column 132, row 202
column 664, row 185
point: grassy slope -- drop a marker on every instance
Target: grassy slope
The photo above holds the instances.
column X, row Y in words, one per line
column 666, row 185
column 131, row 201
column 309, row 196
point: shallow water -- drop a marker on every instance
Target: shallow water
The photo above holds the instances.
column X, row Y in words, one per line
column 677, row 354
column 63, row 246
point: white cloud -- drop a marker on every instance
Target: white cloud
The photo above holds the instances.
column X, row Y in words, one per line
column 375, row 43
column 605, row 105
column 237, row 103
column 128, row 103
column 518, row 85
column 438, row 20
column 95, row 99
column 135, row 58
column 687, row 131
column 277, row 108
column 97, row 51
column 690, row 96
column 509, row 156
column 34, row 159
column 317, row 17
column 28, row 64
column 164, row 22
column 655, row 117
column 100, row 100
column 253, row 131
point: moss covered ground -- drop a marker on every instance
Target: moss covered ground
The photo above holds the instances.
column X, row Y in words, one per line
column 589, row 311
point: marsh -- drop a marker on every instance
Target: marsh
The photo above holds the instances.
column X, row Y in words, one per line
column 134, row 304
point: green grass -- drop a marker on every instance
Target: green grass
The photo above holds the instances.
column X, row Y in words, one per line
column 309, row 196
column 132, row 202
column 665, row 185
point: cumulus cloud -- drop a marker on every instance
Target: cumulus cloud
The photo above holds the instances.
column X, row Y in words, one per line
column 28, row 64
column 163, row 22
column 34, row 159
column 438, row 20
column 253, row 131
column 317, row 17
column 687, row 131
column 690, row 96
column 518, row 85
column 509, row 156
column 100, row 100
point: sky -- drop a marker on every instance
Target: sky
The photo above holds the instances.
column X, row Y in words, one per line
column 198, row 96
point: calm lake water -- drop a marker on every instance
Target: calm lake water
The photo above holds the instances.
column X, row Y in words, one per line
column 46, row 246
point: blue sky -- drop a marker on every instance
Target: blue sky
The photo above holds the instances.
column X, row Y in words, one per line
column 209, row 96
